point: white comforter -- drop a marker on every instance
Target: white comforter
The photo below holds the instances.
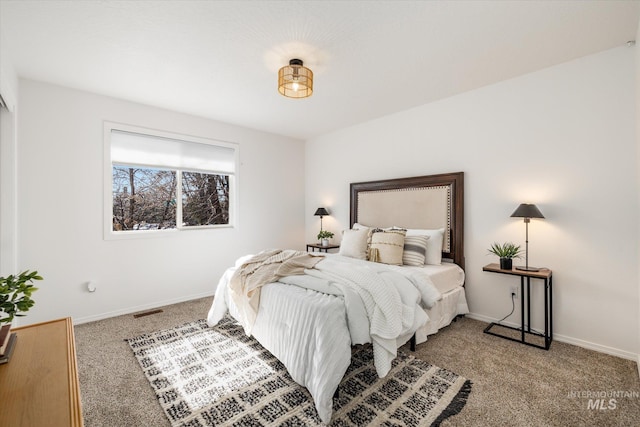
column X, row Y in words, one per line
column 311, row 325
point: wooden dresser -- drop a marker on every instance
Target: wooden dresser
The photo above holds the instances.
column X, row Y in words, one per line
column 39, row 386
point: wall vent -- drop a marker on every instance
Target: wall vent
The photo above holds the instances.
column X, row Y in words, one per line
column 147, row 313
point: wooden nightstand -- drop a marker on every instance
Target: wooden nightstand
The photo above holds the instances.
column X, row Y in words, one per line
column 546, row 276
column 320, row 248
column 39, row 385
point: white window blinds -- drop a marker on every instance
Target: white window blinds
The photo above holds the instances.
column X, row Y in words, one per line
column 129, row 148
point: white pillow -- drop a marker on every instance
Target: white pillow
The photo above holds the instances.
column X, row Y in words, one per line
column 357, row 226
column 434, row 244
column 415, row 250
column 354, row 243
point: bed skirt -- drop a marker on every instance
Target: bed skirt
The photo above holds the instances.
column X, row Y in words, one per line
column 452, row 304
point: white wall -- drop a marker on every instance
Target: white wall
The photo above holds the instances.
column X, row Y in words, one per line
column 563, row 138
column 8, row 183
column 60, row 208
column 8, row 77
column 637, row 91
column 8, row 192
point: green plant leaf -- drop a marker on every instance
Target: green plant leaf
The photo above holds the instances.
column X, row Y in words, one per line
column 324, row 234
column 505, row 250
column 15, row 294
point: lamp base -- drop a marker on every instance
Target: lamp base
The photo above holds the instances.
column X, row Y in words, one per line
column 523, row 268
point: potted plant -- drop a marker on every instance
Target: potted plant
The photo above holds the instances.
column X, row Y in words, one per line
column 15, row 298
column 324, row 237
column 506, row 252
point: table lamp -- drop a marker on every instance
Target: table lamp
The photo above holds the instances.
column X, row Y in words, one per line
column 527, row 211
column 321, row 212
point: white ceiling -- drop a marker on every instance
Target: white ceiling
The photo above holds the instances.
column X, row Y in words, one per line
column 219, row 59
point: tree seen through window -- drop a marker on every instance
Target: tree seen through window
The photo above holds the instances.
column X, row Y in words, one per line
column 145, row 198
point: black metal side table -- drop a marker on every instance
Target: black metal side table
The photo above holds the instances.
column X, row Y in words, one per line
column 547, row 276
column 320, row 248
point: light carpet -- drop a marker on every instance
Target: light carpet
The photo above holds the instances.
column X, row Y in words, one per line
column 220, row 377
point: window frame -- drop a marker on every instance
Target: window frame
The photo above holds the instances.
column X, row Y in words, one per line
column 110, row 234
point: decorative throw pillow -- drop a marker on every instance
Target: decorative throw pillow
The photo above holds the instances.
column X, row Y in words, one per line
column 358, row 226
column 415, row 250
column 434, row 244
column 354, row 243
column 387, row 246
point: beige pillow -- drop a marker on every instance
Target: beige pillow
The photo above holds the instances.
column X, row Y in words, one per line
column 387, row 246
column 354, row 243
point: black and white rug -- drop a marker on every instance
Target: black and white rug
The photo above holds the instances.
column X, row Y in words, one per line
column 220, row 377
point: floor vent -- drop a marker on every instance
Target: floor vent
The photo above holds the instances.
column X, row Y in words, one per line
column 146, row 313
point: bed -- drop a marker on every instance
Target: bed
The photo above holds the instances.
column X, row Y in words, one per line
column 310, row 321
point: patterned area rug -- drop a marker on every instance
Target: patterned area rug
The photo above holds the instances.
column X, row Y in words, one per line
column 220, row 377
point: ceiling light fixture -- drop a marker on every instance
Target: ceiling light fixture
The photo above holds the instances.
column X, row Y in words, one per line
column 295, row 80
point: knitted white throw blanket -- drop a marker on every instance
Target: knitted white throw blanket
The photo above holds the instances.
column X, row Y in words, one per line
column 389, row 316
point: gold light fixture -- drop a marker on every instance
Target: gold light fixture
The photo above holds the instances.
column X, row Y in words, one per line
column 295, row 80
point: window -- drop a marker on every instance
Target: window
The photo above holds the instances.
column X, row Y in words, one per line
column 143, row 198
column 159, row 182
column 205, row 199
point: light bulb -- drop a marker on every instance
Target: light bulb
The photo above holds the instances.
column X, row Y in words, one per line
column 295, row 86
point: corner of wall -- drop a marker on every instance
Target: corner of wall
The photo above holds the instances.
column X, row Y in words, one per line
column 8, row 158
column 8, row 192
column 637, row 82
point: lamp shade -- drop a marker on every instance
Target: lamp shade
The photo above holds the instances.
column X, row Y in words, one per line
column 321, row 212
column 295, row 80
column 526, row 210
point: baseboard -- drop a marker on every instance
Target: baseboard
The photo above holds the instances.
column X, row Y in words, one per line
column 597, row 347
column 573, row 341
column 129, row 310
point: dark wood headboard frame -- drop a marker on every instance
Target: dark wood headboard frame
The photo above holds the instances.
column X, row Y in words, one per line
column 455, row 180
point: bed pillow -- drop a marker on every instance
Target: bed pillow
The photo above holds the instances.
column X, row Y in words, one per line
column 354, row 243
column 415, row 250
column 434, row 244
column 358, row 226
column 387, row 246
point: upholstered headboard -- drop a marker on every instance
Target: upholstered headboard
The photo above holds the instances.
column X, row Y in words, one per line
column 424, row 202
